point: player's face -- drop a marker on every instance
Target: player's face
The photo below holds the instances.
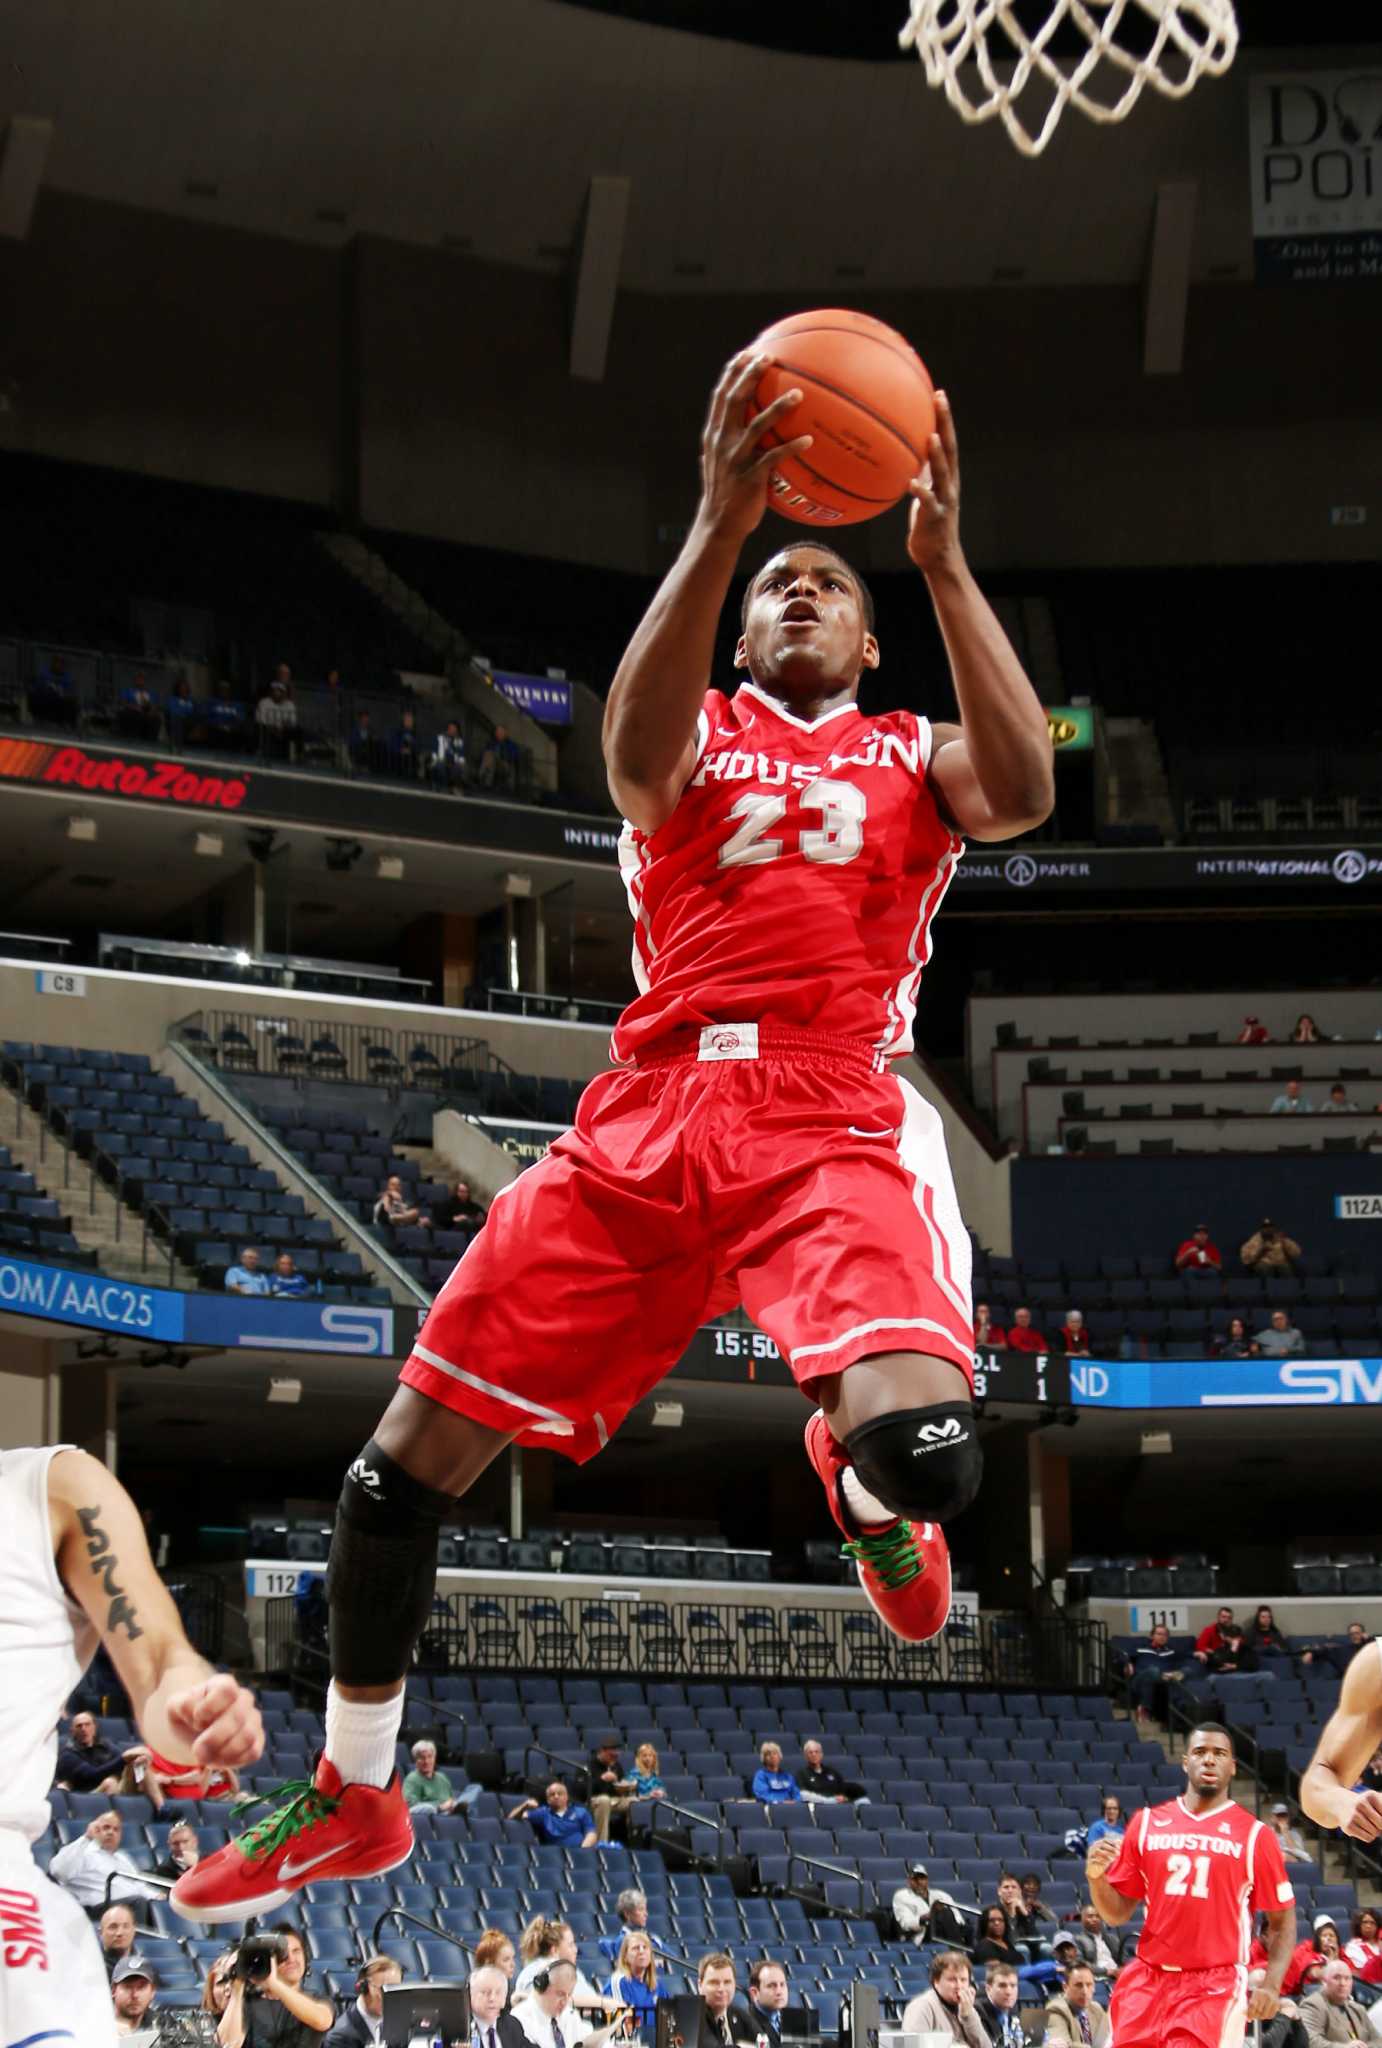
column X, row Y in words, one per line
column 1209, row 1763
column 804, row 632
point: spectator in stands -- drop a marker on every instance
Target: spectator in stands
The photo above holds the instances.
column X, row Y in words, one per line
column 1264, row 1636
column 425, row 1785
column 996, row 2006
column 770, row 1782
column 1213, row 1635
column 495, row 1951
column 949, row 2007
column 361, row 2024
column 86, row 1865
column 1306, row 1031
column 86, row 1761
column 1325, row 1936
column 137, row 715
column 277, row 718
column 289, row 2011
column 219, row 1978
column 52, row 694
column 448, row 767
column 1073, row 1334
column 286, row 1281
column 816, row 1779
column 646, row 1785
column 1339, row 1102
column 393, row 1206
column 558, row 1821
column 499, row 762
column 995, row 1943
column 1234, row 1654
column 1291, row 1102
column 1091, row 1939
column 611, row 1788
column 1023, row 1335
column 1148, row 1669
column 722, row 2024
column 458, row 1209
column 1074, row 2014
column 133, row 1988
column 987, row 1334
column 1269, row 1250
column 914, row 1903
column 1281, row 1338
column 1363, row 1950
column 1293, row 1848
column 1039, row 1914
column 362, row 746
column 633, row 1980
column 769, row 2002
column 1341, row 1656
column 225, row 719
column 184, row 1851
column 1199, row 1254
column 117, row 1935
column 1237, row 1342
column 1111, row 1821
column 490, row 2025
column 1254, row 1032
column 405, row 748
column 1332, row 2013
column 248, row 1277
column 181, row 713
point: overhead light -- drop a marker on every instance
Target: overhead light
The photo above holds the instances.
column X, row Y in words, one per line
column 209, row 844
column 668, row 1414
column 389, row 868
column 287, row 1393
column 242, row 959
column 81, row 826
column 1156, row 1443
column 342, row 854
column 518, row 885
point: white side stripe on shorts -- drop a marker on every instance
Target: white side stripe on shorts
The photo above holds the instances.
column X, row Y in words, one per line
column 867, row 1329
column 558, row 1424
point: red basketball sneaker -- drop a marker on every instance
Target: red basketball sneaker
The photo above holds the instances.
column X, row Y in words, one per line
column 903, row 1566
column 322, row 1829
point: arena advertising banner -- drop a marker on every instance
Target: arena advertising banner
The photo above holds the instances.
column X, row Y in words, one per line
column 545, row 698
column 1226, row 1383
column 1316, row 183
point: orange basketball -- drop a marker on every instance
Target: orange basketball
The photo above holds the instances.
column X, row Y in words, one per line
column 868, row 401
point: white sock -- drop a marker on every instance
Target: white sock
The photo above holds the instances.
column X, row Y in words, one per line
column 361, row 1736
column 860, row 1502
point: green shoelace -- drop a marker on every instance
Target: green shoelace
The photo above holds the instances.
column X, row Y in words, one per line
column 301, row 1808
column 890, row 1555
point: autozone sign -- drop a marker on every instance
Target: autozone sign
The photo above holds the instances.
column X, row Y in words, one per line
column 168, row 782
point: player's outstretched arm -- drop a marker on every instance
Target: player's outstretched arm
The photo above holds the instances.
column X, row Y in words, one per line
column 185, row 1710
column 1351, row 1735
column 994, row 771
column 655, row 699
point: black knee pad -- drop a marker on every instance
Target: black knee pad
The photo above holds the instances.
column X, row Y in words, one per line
column 922, row 1462
column 383, row 1571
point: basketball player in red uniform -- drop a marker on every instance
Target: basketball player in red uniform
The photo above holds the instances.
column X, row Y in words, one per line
column 1351, row 1737
column 1203, row 1866
column 784, row 857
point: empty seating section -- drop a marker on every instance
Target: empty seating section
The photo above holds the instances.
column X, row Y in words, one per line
column 1141, row 1308
column 199, row 1194
column 660, row 1553
column 32, row 1221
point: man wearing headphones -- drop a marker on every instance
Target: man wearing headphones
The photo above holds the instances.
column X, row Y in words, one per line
column 547, row 2016
column 362, row 2025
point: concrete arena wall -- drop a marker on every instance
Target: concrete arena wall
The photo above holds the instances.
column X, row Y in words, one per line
column 209, row 354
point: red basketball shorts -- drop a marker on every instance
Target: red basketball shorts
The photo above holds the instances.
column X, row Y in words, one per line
column 1152, row 2008
column 776, row 1170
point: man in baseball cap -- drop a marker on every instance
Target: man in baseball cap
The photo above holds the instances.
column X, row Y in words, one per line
column 133, row 1985
column 914, row 1904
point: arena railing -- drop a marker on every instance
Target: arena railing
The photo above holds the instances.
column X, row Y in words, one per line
column 302, row 1050
column 295, row 1168
column 706, row 1637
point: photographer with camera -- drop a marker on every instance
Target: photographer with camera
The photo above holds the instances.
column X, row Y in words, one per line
column 270, row 2006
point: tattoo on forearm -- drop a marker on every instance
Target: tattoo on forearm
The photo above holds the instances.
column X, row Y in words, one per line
column 104, row 1565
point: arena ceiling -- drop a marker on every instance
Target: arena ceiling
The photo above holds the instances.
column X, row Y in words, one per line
column 478, row 127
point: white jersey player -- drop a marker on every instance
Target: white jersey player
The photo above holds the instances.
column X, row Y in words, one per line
column 75, row 1570
column 1352, row 1737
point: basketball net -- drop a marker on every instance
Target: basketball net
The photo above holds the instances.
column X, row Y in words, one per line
column 965, row 43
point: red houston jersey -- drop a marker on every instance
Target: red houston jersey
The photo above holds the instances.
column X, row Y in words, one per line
column 1203, row 1876
column 795, row 881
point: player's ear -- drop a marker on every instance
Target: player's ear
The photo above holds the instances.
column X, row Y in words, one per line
column 741, row 652
column 871, row 656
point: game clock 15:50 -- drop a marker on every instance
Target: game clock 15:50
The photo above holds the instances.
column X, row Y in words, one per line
column 743, row 1344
